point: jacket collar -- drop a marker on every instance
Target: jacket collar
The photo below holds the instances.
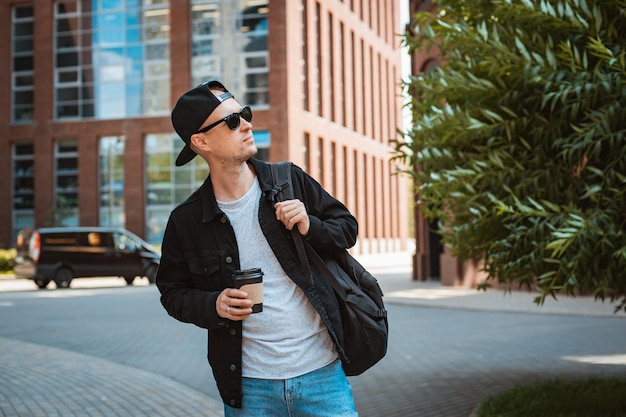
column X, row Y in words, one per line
column 209, row 203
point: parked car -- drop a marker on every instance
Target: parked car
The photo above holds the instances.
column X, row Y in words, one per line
column 61, row 254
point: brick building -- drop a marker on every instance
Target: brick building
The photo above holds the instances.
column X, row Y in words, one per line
column 431, row 260
column 85, row 132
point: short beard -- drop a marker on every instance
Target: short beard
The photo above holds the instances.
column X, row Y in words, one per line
column 236, row 161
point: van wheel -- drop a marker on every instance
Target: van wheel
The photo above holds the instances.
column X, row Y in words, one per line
column 63, row 277
column 42, row 283
column 151, row 272
column 129, row 280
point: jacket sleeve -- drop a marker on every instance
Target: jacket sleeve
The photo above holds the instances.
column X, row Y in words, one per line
column 179, row 296
column 332, row 226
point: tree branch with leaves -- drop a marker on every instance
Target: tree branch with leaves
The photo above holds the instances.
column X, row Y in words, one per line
column 518, row 141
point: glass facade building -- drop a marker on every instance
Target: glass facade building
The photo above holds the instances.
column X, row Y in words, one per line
column 86, row 137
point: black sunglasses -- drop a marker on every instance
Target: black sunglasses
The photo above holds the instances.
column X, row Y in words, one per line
column 232, row 120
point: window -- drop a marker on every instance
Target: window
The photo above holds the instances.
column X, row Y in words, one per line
column 205, row 27
column 166, row 184
column 253, row 26
column 111, row 61
column 23, row 187
column 125, row 243
column 22, row 59
column 70, row 92
column 65, row 210
column 229, row 43
column 262, row 141
column 111, row 169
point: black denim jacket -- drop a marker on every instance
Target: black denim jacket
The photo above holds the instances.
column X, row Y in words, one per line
column 199, row 256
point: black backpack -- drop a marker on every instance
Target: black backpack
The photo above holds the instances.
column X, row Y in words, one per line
column 363, row 313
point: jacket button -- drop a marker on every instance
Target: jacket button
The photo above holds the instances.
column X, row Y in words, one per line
column 223, row 219
column 232, row 402
column 233, row 367
column 229, row 260
column 233, row 332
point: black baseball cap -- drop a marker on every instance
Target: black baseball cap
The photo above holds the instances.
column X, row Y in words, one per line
column 191, row 110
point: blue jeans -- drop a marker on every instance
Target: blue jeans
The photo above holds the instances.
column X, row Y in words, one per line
column 325, row 392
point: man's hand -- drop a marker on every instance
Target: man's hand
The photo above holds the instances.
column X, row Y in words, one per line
column 292, row 213
column 233, row 304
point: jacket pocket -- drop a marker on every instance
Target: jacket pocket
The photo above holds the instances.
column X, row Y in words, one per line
column 205, row 270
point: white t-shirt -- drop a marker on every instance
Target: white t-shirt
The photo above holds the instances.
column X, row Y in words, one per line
column 288, row 338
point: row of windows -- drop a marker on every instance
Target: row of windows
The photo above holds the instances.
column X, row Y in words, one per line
column 166, row 185
column 219, row 28
column 22, row 62
column 361, row 102
column 367, row 200
column 112, row 60
column 377, row 14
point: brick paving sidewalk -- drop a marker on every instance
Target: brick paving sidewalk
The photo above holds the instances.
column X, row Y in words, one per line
column 40, row 381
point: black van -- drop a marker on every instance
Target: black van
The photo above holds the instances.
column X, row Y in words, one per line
column 60, row 254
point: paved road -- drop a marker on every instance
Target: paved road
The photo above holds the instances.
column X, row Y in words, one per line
column 101, row 349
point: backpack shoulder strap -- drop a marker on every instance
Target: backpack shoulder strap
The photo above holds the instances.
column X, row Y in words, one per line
column 283, row 189
column 281, row 176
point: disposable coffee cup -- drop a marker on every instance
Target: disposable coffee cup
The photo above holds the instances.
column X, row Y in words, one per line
column 251, row 281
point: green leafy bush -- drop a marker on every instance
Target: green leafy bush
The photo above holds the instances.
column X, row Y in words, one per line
column 518, row 143
column 6, row 260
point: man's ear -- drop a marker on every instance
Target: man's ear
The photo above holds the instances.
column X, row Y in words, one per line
column 198, row 141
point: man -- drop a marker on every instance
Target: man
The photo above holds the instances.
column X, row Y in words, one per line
column 283, row 361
